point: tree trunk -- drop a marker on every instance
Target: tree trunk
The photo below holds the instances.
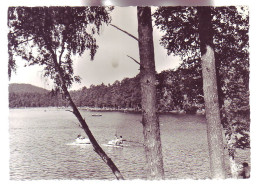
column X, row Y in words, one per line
column 214, row 127
column 84, row 125
column 150, row 119
column 92, row 139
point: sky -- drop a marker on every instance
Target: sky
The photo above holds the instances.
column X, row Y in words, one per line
column 111, row 62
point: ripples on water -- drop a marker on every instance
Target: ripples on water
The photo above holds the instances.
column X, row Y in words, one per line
column 42, row 145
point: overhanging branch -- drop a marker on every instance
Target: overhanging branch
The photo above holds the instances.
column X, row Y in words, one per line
column 134, row 60
column 125, row 32
column 25, row 41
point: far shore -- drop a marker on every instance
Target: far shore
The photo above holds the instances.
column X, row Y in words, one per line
column 124, row 110
column 133, row 110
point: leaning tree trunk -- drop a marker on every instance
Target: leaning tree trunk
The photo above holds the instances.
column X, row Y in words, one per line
column 83, row 123
column 92, row 139
column 214, row 127
column 150, row 119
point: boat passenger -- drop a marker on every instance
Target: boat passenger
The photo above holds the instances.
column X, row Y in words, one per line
column 120, row 140
column 80, row 137
column 245, row 173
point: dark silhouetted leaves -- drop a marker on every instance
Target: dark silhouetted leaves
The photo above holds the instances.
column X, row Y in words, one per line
column 42, row 35
column 230, row 35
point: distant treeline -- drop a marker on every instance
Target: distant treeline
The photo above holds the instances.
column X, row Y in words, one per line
column 31, row 99
column 176, row 90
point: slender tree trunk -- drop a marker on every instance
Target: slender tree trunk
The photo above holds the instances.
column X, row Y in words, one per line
column 150, row 119
column 214, row 127
column 92, row 139
column 84, row 125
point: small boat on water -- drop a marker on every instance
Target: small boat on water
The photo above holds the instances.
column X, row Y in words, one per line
column 82, row 140
column 96, row 114
column 115, row 143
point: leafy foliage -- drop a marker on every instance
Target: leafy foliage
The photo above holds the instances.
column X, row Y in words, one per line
column 231, row 44
column 174, row 92
column 230, row 34
column 124, row 94
column 34, row 99
column 180, row 25
column 50, row 36
column 180, row 90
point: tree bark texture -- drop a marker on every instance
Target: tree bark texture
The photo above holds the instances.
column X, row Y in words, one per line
column 83, row 123
column 214, row 127
column 150, row 119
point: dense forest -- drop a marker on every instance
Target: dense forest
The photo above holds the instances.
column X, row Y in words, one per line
column 177, row 90
column 26, row 95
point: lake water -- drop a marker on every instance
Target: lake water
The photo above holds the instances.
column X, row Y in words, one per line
column 42, row 145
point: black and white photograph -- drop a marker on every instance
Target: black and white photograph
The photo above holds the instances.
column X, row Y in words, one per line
column 132, row 91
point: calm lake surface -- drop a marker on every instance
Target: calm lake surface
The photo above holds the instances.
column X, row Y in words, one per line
column 42, row 145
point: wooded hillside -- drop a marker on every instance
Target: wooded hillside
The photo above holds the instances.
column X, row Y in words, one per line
column 25, row 88
column 172, row 95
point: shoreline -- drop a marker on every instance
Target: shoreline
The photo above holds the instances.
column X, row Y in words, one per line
column 123, row 110
column 132, row 110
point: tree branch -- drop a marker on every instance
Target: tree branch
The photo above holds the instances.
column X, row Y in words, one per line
column 125, row 32
column 25, row 41
column 62, row 50
column 63, row 47
column 134, row 60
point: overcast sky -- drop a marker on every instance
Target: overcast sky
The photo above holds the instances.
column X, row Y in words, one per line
column 111, row 62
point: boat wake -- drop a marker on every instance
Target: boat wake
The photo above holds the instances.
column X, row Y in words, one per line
column 78, row 144
column 116, row 146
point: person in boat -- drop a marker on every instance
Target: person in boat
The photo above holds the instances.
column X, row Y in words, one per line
column 119, row 141
column 245, row 172
column 80, row 137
